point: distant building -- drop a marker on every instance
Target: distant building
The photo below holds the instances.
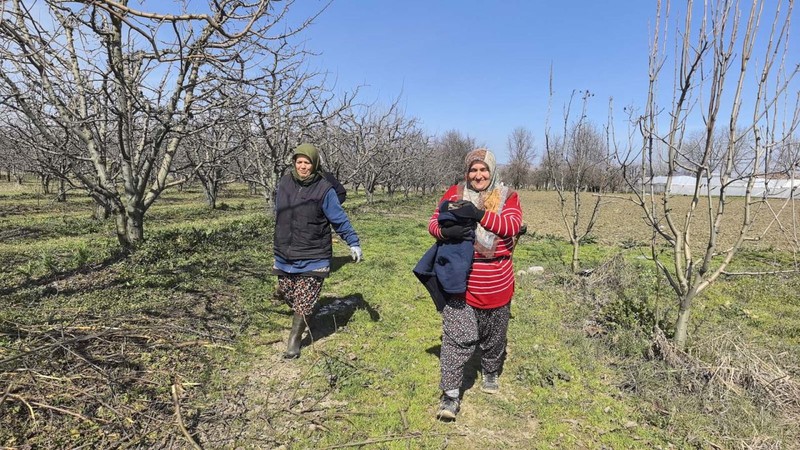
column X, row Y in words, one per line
column 772, row 188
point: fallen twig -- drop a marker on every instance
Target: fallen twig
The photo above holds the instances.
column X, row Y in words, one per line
column 5, row 393
column 55, row 345
column 25, row 402
column 415, row 435
column 301, row 414
column 65, row 411
column 769, row 272
column 179, row 418
column 50, row 407
column 736, row 367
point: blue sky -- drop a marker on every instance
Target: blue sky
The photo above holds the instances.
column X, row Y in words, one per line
column 483, row 67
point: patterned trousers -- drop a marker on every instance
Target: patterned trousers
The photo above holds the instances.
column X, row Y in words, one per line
column 301, row 292
column 464, row 328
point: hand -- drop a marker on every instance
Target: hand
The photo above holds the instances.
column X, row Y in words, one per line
column 469, row 211
column 355, row 253
column 457, row 233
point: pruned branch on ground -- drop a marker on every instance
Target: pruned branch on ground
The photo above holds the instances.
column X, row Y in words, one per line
column 736, row 367
column 109, row 379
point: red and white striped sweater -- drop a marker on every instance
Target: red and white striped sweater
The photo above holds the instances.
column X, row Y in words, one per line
column 490, row 283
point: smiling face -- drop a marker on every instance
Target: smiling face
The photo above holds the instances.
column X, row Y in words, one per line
column 479, row 176
column 303, row 166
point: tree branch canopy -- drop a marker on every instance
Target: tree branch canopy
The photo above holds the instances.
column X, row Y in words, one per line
column 115, row 89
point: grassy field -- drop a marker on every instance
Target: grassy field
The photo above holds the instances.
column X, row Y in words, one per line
column 181, row 342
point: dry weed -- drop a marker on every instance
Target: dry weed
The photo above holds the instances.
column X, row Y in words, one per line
column 737, row 367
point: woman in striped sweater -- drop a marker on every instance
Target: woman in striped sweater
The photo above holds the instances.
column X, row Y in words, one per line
column 479, row 317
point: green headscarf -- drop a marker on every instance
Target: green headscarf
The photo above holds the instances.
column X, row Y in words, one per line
column 310, row 152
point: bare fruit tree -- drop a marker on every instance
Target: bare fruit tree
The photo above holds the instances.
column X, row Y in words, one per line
column 211, row 148
column 520, row 154
column 453, row 147
column 433, row 168
column 373, row 146
column 417, row 148
column 119, row 86
column 17, row 148
column 730, row 116
column 578, row 165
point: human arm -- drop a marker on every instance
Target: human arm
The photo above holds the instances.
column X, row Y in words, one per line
column 434, row 228
column 508, row 223
column 338, row 218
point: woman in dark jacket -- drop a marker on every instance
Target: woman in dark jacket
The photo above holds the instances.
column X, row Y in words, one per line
column 306, row 206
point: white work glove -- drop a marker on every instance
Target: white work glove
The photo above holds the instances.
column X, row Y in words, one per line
column 355, row 253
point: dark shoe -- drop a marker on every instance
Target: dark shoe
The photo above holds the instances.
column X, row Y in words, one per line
column 448, row 408
column 295, row 336
column 490, row 384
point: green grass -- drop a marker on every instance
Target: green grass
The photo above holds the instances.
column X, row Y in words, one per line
column 196, row 305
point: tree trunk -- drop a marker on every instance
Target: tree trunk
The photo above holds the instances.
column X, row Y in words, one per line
column 269, row 199
column 130, row 227
column 45, row 181
column 575, row 253
column 211, row 199
column 682, row 323
column 101, row 212
column 210, row 188
column 62, row 191
column 135, row 230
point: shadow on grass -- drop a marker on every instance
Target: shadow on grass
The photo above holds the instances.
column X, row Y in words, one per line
column 46, row 280
column 337, row 262
column 471, row 369
column 334, row 313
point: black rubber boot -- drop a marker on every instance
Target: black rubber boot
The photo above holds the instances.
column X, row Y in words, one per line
column 295, row 336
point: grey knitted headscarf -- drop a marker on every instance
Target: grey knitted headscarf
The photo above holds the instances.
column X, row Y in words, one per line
column 484, row 156
column 490, row 199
